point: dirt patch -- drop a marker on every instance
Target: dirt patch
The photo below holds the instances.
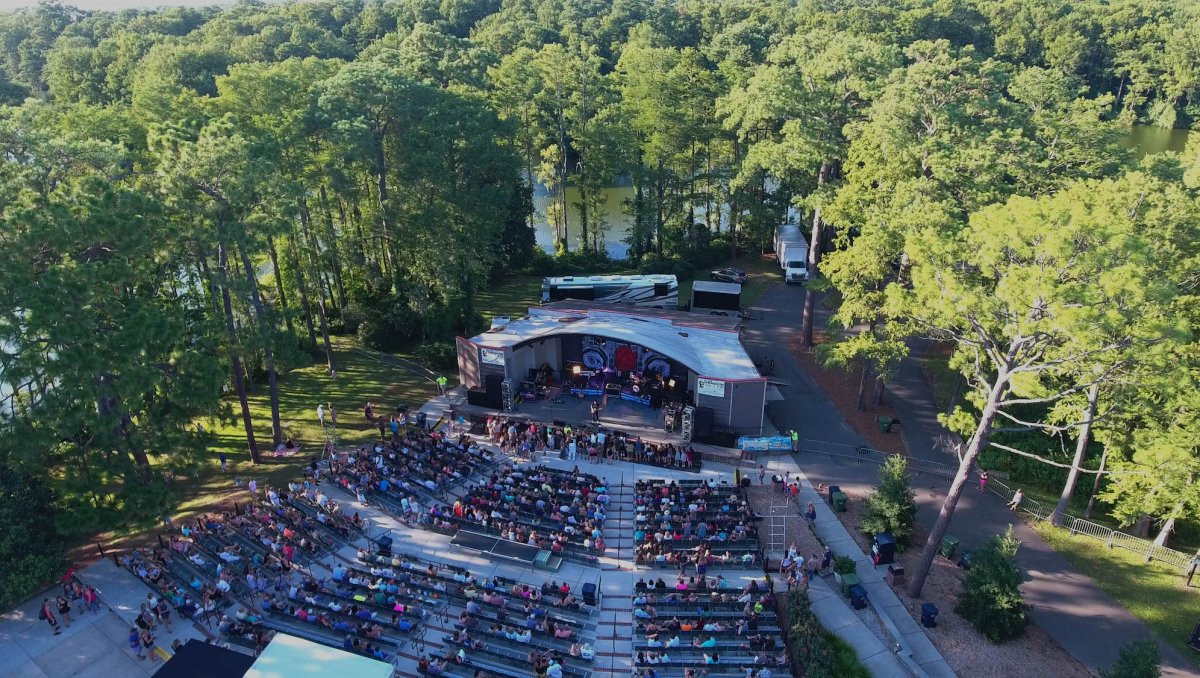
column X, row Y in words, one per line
column 841, row 386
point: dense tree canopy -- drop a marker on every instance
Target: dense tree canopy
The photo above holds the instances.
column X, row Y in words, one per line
column 193, row 200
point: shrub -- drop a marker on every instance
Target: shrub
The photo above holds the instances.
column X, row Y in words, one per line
column 1138, row 659
column 892, row 506
column 844, row 565
column 31, row 548
column 991, row 598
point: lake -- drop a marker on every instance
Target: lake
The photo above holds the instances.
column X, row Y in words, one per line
column 1146, row 139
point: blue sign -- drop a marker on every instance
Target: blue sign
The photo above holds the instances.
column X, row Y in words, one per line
column 765, row 444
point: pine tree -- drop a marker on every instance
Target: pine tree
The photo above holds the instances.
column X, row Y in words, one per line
column 991, row 596
column 892, row 506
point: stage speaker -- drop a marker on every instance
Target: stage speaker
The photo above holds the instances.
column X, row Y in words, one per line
column 492, row 386
column 655, row 399
column 702, row 425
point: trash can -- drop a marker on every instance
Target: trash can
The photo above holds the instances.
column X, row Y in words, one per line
column 839, row 502
column 422, row 417
column 885, row 424
column 964, row 561
column 858, row 596
column 949, row 546
column 849, row 581
column 929, row 613
column 884, row 548
column 589, row 593
column 385, row 545
column 897, row 572
column 833, row 489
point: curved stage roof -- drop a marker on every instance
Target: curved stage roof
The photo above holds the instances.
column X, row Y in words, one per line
column 691, row 340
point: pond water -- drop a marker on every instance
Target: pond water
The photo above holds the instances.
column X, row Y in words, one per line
column 1148, row 139
column 1145, row 139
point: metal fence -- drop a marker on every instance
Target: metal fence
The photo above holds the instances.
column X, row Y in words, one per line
column 1112, row 538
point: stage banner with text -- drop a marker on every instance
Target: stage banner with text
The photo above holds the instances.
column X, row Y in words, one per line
column 765, row 444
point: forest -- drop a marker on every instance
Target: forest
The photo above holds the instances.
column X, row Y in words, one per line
column 192, row 201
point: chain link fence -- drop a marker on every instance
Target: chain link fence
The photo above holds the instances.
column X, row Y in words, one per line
column 1112, row 538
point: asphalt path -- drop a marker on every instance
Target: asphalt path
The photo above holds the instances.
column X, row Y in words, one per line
column 1086, row 621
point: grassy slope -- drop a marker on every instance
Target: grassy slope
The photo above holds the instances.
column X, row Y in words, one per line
column 1155, row 593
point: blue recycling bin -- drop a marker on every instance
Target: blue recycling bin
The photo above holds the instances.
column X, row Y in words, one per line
column 929, row 613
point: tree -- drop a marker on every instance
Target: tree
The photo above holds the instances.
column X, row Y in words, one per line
column 31, row 546
column 892, row 506
column 991, row 592
column 1021, row 301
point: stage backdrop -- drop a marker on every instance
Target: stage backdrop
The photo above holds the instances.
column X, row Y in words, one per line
column 599, row 353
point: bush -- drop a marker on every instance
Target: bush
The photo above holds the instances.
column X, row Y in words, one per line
column 991, row 596
column 1138, row 659
column 892, row 507
column 844, row 565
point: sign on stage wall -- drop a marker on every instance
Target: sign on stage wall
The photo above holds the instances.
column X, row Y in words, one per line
column 765, row 444
column 710, row 387
column 491, row 356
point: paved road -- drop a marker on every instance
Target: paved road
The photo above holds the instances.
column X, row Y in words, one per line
column 1086, row 621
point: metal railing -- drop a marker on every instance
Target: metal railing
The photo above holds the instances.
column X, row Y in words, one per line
column 1112, row 538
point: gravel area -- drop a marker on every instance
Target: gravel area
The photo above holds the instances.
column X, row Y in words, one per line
column 964, row 648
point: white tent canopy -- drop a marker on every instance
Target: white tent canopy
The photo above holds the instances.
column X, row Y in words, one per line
column 288, row 657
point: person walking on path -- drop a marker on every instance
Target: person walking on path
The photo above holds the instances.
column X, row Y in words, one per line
column 810, row 514
column 441, row 384
column 148, row 645
column 332, row 415
column 762, row 474
column 795, row 440
column 253, row 487
column 983, row 476
column 595, row 412
column 321, row 414
column 47, row 613
column 90, row 600
column 1018, row 497
column 224, row 462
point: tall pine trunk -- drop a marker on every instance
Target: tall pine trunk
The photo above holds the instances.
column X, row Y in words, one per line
column 283, row 305
column 329, row 362
column 1091, row 506
column 335, row 262
column 268, row 329
column 814, row 259
column 1085, row 432
column 235, row 359
column 974, row 447
column 303, row 287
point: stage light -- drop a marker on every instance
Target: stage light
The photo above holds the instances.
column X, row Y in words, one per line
column 671, row 383
column 576, row 370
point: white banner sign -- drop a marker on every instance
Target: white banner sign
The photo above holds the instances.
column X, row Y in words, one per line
column 491, row 356
column 710, row 387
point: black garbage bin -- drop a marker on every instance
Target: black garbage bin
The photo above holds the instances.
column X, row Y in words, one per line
column 884, row 548
column 929, row 613
column 858, row 596
column 385, row 545
column 964, row 561
column 589, row 593
column 833, row 489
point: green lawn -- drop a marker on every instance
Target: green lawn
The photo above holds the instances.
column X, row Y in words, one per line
column 359, row 379
column 511, row 298
column 1155, row 593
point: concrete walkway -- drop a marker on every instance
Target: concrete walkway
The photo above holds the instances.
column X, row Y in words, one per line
column 96, row 644
column 1071, row 608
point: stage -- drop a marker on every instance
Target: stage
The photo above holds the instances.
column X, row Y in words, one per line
column 630, row 418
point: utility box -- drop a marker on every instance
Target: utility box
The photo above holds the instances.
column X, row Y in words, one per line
column 949, row 546
column 848, row 581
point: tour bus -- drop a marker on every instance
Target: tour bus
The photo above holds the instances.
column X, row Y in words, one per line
column 651, row 291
